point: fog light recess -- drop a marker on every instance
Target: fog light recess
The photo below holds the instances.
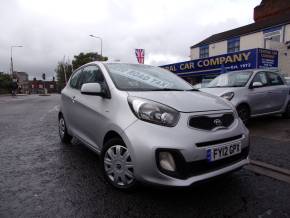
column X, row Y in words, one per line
column 166, row 161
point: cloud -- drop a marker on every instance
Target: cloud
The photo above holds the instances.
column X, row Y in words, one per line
column 52, row 29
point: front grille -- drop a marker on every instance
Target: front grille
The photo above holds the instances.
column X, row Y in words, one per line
column 210, row 122
column 195, row 168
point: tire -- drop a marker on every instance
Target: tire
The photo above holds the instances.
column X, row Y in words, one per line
column 286, row 114
column 62, row 130
column 117, row 165
column 244, row 113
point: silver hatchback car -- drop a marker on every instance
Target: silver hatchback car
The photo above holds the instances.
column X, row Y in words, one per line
column 149, row 125
column 253, row 92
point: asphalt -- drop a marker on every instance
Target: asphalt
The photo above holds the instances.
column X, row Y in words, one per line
column 270, row 137
column 40, row 177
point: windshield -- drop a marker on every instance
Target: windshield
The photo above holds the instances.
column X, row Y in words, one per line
column 138, row 77
column 232, row 79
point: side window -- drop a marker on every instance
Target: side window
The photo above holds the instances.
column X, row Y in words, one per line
column 75, row 78
column 274, row 79
column 91, row 74
column 261, row 77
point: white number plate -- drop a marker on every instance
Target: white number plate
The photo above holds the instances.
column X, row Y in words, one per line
column 223, row 151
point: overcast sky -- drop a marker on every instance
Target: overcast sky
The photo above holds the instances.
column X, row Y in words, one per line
column 52, row 29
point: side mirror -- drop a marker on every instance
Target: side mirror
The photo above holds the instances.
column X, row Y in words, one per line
column 256, row 85
column 92, row 89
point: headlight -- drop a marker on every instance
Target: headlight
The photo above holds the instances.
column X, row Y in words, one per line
column 153, row 112
column 229, row 95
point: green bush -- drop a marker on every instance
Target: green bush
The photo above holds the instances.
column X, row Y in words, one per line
column 5, row 83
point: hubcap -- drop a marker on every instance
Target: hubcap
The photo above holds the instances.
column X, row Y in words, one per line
column 118, row 165
column 61, row 127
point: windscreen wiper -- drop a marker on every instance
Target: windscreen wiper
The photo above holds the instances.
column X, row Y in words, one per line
column 195, row 90
column 166, row 89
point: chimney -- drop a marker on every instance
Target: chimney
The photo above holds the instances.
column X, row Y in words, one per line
column 269, row 8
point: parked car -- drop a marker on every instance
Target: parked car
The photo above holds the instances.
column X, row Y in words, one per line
column 149, row 125
column 253, row 92
column 203, row 84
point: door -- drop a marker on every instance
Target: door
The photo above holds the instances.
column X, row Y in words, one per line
column 259, row 100
column 277, row 90
column 89, row 110
column 69, row 95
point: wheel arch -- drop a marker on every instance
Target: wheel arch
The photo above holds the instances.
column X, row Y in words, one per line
column 59, row 114
column 111, row 134
column 244, row 104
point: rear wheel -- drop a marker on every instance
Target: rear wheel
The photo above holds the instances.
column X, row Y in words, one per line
column 286, row 114
column 117, row 165
column 64, row 136
column 244, row 113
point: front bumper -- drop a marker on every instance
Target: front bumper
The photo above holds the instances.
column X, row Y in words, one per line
column 144, row 139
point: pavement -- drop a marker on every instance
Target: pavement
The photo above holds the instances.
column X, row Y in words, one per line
column 40, row 177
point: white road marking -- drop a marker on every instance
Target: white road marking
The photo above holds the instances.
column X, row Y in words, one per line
column 54, row 109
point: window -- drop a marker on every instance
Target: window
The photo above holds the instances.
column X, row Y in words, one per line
column 234, row 45
column 140, row 77
column 272, row 35
column 74, row 80
column 91, row 74
column 204, row 52
column 232, row 79
column 274, row 79
column 261, row 77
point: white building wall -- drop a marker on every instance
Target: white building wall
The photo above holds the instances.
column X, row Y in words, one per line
column 287, row 33
column 194, row 53
column 251, row 41
column 218, row 48
column 254, row 40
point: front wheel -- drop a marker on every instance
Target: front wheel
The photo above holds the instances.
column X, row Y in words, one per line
column 64, row 136
column 117, row 165
column 286, row 114
column 244, row 113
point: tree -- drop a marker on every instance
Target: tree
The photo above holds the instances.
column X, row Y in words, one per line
column 84, row 58
column 63, row 73
column 5, row 83
column 64, row 68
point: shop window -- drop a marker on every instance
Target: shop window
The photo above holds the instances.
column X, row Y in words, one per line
column 204, row 52
column 234, row 45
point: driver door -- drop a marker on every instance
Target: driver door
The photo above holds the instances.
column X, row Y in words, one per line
column 89, row 109
column 259, row 100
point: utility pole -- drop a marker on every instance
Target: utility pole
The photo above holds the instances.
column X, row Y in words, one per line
column 11, row 58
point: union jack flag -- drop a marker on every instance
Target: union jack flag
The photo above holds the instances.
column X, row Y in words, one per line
column 140, row 54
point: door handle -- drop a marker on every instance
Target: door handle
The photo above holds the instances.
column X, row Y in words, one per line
column 73, row 99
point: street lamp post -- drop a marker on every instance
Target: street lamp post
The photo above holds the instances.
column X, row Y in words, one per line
column 11, row 58
column 98, row 37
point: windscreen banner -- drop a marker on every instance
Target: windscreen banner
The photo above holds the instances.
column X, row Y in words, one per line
column 242, row 60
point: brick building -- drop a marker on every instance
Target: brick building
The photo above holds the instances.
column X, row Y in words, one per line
column 38, row 86
column 23, row 83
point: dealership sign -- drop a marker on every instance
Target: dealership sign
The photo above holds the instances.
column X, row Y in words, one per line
column 243, row 60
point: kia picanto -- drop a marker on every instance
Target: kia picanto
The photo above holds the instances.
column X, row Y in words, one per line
column 150, row 126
